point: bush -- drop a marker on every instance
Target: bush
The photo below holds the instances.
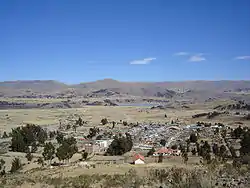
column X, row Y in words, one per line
column 5, row 135
column 104, row 121
column 125, row 123
column 85, row 155
column 16, row 165
column 29, row 156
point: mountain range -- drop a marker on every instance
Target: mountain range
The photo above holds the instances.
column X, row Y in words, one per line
column 109, row 87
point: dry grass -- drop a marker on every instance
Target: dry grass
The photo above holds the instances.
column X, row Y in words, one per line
column 93, row 114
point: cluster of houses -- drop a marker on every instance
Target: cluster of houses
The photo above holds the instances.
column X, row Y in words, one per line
column 93, row 146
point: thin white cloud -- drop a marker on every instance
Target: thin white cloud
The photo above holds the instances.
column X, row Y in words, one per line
column 197, row 58
column 142, row 61
column 181, row 54
column 242, row 58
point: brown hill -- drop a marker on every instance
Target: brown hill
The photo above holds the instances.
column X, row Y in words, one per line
column 109, row 87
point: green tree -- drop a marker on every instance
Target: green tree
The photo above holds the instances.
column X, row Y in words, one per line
column 29, row 156
column 42, row 136
column 59, row 137
column 48, row 151
column 120, row 145
column 74, row 127
column 224, row 133
column 104, row 121
column 163, row 142
column 84, row 155
column 5, row 135
column 193, row 151
column 233, row 152
column 223, row 152
column 25, row 136
column 193, row 138
column 245, row 146
column 67, row 149
column 2, row 167
column 40, row 161
column 238, row 132
column 160, row 158
column 17, row 142
column 185, row 157
column 113, row 124
column 125, row 123
column 216, row 149
column 79, row 122
column 16, row 165
column 151, row 152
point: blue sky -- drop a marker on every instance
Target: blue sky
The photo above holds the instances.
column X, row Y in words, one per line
column 130, row 40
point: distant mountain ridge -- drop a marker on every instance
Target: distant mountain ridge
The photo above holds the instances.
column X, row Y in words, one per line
column 46, row 88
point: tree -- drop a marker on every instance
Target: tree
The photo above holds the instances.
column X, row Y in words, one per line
column 29, row 156
column 185, row 157
column 160, row 158
column 163, row 142
column 233, row 151
column 25, row 136
column 174, row 147
column 61, row 153
column 40, row 161
column 224, row 133
column 238, row 132
column 151, row 152
column 193, row 138
column 245, row 146
column 113, row 124
column 42, row 136
column 48, row 151
column 215, row 149
column 85, row 155
column 223, row 152
column 2, row 167
column 59, row 137
column 93, row 132
column 33, row 147
column 16, row 165
column 217, row 130
column 74, row 127
column 104, row 121
column 79, row 122
column 125, row 123
column 120, row 145
column 193, row 151
column 17, row 142
column 52, row 134
column 67, row 149
column 5, row 135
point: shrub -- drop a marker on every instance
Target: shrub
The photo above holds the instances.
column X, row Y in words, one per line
column 29, row 156
column 16, row 165
column 85, row 155
column 104, row 121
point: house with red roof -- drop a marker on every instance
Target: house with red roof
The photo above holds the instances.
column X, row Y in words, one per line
column 138, row 159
